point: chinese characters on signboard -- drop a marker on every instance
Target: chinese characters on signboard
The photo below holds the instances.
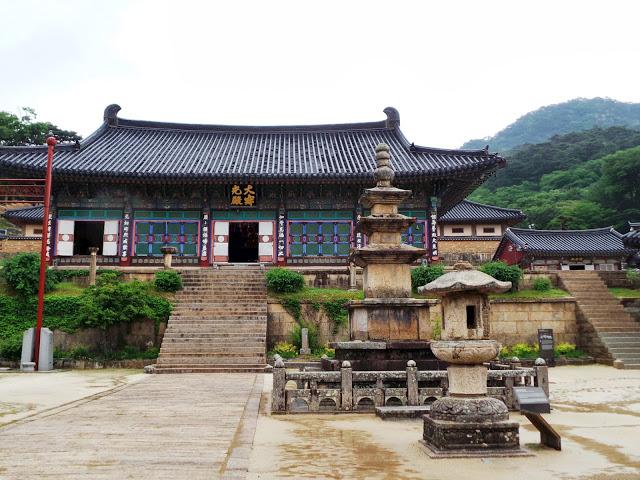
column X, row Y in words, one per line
column 243, row 196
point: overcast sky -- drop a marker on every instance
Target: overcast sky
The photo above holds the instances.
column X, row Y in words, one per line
column 454, row 69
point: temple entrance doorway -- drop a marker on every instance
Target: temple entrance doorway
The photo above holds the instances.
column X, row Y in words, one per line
column 243, row 242
column 86, row 235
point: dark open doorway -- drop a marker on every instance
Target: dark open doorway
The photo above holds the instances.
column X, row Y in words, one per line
column 87, row 234
column 243, row 242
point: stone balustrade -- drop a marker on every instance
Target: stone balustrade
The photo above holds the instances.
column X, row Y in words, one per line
column 362, row 391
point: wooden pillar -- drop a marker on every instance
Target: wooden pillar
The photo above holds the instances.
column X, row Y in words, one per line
column 127, row 225
column 281, row 234
column 433, row 229
column 204, row 236
column 50, row 246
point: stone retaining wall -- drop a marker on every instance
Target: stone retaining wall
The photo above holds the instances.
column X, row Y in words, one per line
column 11, row 246
column 512, row 321
column 518, row 321
column 139, row 334
column 632, row 306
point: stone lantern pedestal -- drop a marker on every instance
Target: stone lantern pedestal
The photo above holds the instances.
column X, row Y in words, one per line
column 468, row 423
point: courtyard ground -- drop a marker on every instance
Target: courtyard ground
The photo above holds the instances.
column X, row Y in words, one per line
column 115, row 424
column 596, row 410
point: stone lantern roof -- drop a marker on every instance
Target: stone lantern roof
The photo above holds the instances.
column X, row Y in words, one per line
column 465, row 278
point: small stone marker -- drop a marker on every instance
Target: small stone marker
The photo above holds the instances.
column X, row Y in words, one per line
column 45, row 360
column 547, row 344
column 305, row 350
column 26, row 358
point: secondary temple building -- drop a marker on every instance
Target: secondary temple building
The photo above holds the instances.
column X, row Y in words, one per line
column 286, row 195
column 594, row 249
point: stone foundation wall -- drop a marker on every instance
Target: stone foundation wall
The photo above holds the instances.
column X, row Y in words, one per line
column 10, row 246
column 474, row 251
column 138, row 334
column 615, row 279
column 512, row 321
column 280, row 323
column 529, row 277
column 516, row 321
column 632, row 306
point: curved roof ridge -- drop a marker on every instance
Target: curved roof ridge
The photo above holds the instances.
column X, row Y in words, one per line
column 493, row 206
column 586, row 230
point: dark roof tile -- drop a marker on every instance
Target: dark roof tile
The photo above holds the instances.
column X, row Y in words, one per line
column 25, row 214
column 598, row 241
column 468, row 211
column 130, row 149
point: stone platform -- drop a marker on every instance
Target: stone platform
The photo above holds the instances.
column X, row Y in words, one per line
column 402, row 412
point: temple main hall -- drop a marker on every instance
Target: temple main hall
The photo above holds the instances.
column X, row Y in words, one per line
column 284, row 195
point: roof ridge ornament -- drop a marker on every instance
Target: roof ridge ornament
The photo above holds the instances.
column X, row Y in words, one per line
column 393, row 117
column 111, row 114
column 383, row 174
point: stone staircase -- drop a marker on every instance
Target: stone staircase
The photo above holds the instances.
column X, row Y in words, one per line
column 607, row 332
column 219, row 323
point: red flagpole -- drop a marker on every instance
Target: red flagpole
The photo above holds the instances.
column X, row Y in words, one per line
column 51, row 143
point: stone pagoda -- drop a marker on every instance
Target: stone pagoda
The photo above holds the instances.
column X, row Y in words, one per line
column 468, row 423
column 388, row 327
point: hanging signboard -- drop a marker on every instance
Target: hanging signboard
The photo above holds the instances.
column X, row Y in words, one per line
column 243, row 195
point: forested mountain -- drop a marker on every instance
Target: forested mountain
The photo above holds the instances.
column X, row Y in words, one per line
column 531, row 162
column 573, row 116
column 588, row 193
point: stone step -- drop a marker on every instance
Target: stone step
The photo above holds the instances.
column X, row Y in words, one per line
column 256, row 368
column 213, row 353
column 201, row 361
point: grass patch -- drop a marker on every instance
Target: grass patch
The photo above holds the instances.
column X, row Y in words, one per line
column 535, row 294
column 320, row 295
column 625, row 292
column 67, row 288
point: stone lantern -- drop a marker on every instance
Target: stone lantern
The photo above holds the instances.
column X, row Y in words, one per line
column 467, row 422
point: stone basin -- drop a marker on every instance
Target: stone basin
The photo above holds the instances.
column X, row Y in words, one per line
column 465, row 352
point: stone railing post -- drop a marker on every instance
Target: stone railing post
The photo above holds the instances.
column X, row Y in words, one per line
column 508, row 392
column 93, row 265
column 278, row 400
column 347, row 386
column 412, row 383
column 542, row 375
column 167, row 254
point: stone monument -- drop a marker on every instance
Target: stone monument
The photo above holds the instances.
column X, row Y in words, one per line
column 468, row 423
column 388, row 327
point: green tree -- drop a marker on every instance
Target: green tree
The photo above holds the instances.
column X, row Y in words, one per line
column 25, row 130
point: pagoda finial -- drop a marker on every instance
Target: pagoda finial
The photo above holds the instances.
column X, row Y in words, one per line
column 384, row 174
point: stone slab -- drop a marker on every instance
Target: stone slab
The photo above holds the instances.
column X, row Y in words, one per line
column 390, row 413
column 489, row 453
column 163, row 427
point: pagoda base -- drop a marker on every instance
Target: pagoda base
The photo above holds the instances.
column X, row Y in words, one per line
column 389, row 319
column 384, row 356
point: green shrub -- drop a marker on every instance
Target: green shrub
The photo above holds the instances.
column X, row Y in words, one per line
column 22, row 274
column 565, row 349
column 80, row 353
column 113, row 303
column 329, row 352
column 281, row 280
column 337, row 313
column 542, row 284
column 503, row 272
column 167, row 281
column 520, row 350
column 424, row 274
column 107, row 278
column 285, row 350
column 634, row 277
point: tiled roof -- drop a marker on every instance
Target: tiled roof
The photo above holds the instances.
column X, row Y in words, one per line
column 631, row 239
column 598, row 241
column 471, row 212
column 25, row 214
column 134, row 150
